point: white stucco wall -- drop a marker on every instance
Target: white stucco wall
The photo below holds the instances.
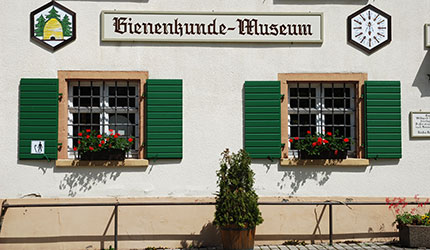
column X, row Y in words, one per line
column 213, row 77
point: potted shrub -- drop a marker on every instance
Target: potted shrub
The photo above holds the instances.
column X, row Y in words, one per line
column 95, row 146
column 237, row 212
column 321, row 146
column 414, row 229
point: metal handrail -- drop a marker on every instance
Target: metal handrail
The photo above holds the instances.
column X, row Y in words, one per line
column 6, row 206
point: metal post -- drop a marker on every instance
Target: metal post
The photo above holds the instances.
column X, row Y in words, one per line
column 330, row 225
column 116, row 226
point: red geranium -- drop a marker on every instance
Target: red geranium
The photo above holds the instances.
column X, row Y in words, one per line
column 79, row 134
column 88, row 130
column 96, row 142
column 75, row 148
column 321, row 144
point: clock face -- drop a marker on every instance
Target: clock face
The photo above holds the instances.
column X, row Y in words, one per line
column 369, row 28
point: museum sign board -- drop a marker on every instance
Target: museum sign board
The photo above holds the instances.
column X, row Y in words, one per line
column 212, row 27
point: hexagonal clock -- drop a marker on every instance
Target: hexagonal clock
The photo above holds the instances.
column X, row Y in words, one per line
column 53, row 25
column 369, row 29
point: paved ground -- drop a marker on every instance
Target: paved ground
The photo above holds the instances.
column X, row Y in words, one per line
column 339, row 246
column 323, row 246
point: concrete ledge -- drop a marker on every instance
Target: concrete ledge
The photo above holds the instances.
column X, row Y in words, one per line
column 350, row 162
column 79, row 163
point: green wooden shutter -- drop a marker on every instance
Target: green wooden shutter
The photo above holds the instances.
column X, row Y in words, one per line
column 263, row 119
column 38, row 117
column 383, row 119
column 163, row 119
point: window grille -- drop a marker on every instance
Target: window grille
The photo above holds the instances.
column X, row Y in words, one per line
column 321, row 108
column 103, row 105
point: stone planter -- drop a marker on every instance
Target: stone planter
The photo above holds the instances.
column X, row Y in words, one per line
column 110, row 155
column 414, row 236
column 323, row 155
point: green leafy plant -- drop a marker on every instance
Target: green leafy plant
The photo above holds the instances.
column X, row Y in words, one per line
column 92, row 141
column 407, row 218
column 318, row 143
column 236, row 200
column 294, row 243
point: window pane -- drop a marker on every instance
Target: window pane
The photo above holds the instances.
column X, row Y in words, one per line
column 121, row 125
column 303, row 92
column 84, row 96
column 82, row 122
column 301, row 123
column 304, row 103
column 339, row 119
column 302, row 97
column 84, row 119
column 121, row 94
column 337, row 97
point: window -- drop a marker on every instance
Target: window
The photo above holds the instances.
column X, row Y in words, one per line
column 100, row 100
column 321, row 108
column 102, row 106
column 322, row 103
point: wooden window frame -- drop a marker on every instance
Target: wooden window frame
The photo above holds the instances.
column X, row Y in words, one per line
column 356, row 78
column 65, row 75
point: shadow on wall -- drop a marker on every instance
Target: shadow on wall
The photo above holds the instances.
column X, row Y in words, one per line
column 297, row 176
column 422, row 79
column 42, row 165
column 83, row 180
column 209, row 236
column 307, row 2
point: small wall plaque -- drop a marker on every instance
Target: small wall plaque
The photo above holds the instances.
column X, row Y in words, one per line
column 53, row 25
column 419, row 124
column 37, row 147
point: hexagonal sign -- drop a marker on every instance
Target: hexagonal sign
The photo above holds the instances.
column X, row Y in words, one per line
column 53, row 25
column 369, row 28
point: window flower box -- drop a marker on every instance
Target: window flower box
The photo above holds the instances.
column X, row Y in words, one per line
column 112, row 155
column 321, row 146
column 323, row 155
column 93, row 146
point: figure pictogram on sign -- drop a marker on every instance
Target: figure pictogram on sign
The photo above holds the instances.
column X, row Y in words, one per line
column 37, row 147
